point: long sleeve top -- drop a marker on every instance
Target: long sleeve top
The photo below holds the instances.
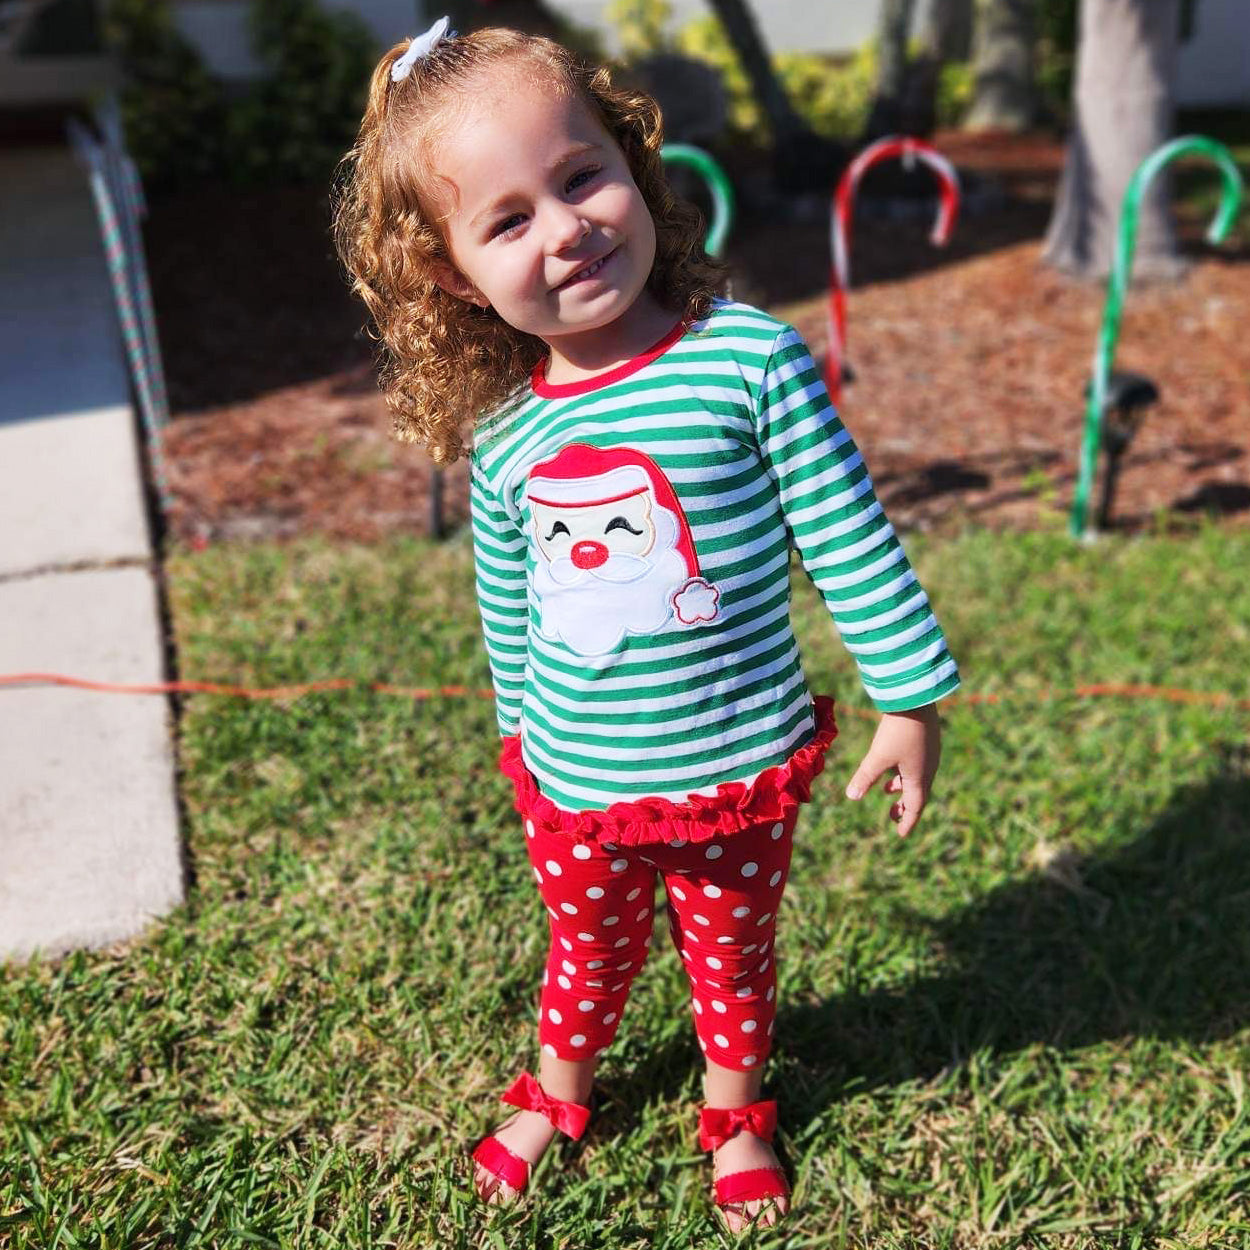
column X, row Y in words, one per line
column 632, row 538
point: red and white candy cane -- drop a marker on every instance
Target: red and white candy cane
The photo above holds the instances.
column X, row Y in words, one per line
column 840, row 232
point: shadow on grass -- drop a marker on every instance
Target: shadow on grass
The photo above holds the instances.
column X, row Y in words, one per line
column 1147, row 941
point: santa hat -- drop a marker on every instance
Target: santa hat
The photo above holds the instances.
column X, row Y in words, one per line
column 582, row 476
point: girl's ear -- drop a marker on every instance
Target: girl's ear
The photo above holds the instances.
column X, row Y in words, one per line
column 455, row 283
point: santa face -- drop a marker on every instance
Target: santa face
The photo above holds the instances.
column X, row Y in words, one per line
column 611, row 559
column 591, row 535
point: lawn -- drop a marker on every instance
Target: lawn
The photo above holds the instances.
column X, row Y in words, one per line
column 1026, row 1025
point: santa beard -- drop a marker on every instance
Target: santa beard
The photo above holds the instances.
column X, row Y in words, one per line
column 591, row 610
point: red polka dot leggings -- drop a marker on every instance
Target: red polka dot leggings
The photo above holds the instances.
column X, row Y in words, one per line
column 722, row 906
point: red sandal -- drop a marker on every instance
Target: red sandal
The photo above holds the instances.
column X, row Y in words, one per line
column 525, row 1092
column 716, row 1126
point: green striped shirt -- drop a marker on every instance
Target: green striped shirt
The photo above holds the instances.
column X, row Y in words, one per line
column 632, row 539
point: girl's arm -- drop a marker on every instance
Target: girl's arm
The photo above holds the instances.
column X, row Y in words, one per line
column 502, row 596
column 854, row 558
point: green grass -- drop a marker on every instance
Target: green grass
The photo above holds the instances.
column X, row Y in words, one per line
column 1027, row 1025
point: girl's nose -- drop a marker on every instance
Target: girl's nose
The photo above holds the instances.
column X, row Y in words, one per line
column 568, row 227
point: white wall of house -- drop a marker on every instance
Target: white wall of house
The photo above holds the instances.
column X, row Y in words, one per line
column 1214, row 65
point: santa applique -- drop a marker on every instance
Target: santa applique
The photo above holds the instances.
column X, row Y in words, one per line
column 615, row 555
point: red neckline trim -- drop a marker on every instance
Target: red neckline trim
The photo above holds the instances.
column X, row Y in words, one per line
column 560, row 390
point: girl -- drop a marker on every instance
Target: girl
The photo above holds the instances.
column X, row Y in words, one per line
column 646, row 458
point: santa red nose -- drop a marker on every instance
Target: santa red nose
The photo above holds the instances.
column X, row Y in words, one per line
column 588, row 555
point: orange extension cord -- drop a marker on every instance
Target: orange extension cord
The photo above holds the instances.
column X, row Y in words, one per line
column 1099, row 690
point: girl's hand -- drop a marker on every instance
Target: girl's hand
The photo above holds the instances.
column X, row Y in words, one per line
column 910, row 743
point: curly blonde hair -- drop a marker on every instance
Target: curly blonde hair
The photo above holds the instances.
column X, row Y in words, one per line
column 442, row 358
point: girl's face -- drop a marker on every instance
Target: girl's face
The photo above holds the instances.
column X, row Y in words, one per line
column 544, row 221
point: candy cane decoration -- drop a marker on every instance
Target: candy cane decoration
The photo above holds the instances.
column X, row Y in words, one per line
column 840, row 232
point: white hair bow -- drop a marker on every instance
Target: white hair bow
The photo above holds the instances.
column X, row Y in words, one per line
column 421, row 46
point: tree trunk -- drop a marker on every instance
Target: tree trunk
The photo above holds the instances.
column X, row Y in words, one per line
column 802, row 160
column 740, row 27
column 1122, row 110
column 1004, row 98
column 885, row 117
column 947, row 34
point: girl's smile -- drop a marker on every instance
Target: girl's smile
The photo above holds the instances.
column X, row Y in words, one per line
column 545, row 224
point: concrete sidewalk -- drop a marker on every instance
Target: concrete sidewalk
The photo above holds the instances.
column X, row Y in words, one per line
column 89, row 840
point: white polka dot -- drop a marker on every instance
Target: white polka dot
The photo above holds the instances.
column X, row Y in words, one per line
column 778, row 830
column 611, row 920
column 712, row 891
column 568, row 946
column 620, row 985
column 698, row 1006
column 772, row 989
column 702, row 1044
column 586, row 937
column 700, row 919
column 713, row 962
column 622, row 967
column 744, row 992
column 642, row 915
column 568, row 908
column 568, row 967
column 553, row 868
column 750, row 950
column 586, row 1005
column 619, row 943
column 679, row 842
column 714, row 852
column 529, row 828
column 750, row 868
column 578, row 1039
column 690, row 934
column 581, row 852
column 719, row 1007
column 739, row 912
column 633, row 894
column 748, row 1061
column 775, row 877
column 609, row 1017
column 724, row 939
column 720, row 1039
column 677, row 892
column 544, row 976
column 564, row 982
column 763, row 967
column 770, row 1027
column 764, row 919
column 596, row 984
column 600, row 1051
column 749, row 1026
column 619, row 865
column 554, row 1016
column 555, row 915
column 539, row 876
column 609, row 846
column 549, row 1049
column 594, row 891
column 685, row 954
column 764, row 948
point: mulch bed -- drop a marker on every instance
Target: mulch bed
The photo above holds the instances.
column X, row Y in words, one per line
column 970, row 363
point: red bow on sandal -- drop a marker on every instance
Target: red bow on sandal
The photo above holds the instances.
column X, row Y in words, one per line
column 716, row 1126
column 525, row 1092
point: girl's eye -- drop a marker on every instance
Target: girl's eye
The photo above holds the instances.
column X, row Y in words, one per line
column 620, row 523
column 582, row 177
column 558, row 528
column 508, row 226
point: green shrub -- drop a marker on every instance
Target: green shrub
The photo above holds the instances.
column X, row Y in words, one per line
column 173, row 109
column 295, row 122
column 956, row 83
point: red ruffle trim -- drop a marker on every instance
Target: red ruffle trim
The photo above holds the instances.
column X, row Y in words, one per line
column 773, row 795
